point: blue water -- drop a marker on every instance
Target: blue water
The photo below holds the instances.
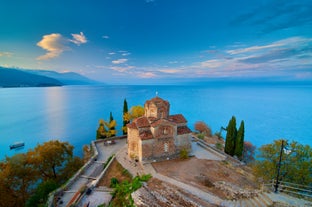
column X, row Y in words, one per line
column 71, row 113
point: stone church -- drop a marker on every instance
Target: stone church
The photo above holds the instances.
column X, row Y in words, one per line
column 157, row 134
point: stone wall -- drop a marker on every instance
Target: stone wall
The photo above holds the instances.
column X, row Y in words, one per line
column 133, row 143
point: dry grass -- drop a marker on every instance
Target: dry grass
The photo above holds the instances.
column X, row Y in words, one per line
column 203, row 173
column 115, row 170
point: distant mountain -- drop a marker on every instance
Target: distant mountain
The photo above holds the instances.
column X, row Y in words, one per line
column 68, row 78
column 17, row 78
column 11, row 77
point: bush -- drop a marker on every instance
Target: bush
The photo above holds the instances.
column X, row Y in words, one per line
column 122, row 193
column 114, row 182
column 219, row 146
column 145, row 177
column 184, row 154
column 201, row 136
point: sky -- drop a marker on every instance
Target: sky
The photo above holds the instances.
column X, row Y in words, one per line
column 160, row 41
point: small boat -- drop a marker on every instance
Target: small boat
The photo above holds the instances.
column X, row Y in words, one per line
column 17, row 145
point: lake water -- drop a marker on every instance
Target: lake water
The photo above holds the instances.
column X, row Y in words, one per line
column 71, row 113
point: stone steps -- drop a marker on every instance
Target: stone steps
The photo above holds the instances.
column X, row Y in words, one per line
column 262, row 200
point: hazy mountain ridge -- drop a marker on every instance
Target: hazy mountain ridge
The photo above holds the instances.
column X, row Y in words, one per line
column 68, row 78
column 17, row 78
column 10, row 77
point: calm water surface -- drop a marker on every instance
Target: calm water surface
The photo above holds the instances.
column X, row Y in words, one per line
column 71, row 113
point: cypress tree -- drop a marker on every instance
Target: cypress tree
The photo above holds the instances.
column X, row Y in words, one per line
column 230, row 137
column 111, row 118
column 239, row 146
column 125, row 122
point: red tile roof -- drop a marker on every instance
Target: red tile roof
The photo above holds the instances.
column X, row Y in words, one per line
column 183, row 130
column 132, row 125
column 177, row 118
column 142, row 122
column 144, row 135
column 156, row 100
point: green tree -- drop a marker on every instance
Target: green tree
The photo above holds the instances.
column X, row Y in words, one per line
column 230, row 137
column 18, row 177
column 239, row 142
column 125, row 122
column 51, row 158
column 40, row 197
column 28, row 177
column 296, row 162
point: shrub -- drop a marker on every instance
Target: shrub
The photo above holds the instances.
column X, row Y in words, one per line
column 184, row 154
column 114, row 182
column 219, row 146
column 201, row 136
column 145, row 177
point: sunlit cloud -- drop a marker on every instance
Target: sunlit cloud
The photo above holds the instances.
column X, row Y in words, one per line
column 112, row 53
column 6, row 54
column 54, row 44
column 170, row 71
column 119, row 61
column 252, row 49
column 105, row 37
column 146, row 75
column 79, row 39
column 122, row 69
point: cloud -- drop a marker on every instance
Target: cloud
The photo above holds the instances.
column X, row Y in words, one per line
column 147, row 75
column 105, row 37
column 6, row 54
column 277, row 15
column 54, row 44
column 79, row 39
column 122, row 69
column 126, row 54
column 119, row 61
column 170, row 71
column 252, row 49
column 112, row 53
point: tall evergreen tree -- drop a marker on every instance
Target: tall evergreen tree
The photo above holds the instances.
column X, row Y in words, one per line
column 230, row 137
column 125, row 122
column 239, row 144
column 111, row 118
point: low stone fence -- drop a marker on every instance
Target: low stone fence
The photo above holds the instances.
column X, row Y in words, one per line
column 218, row 152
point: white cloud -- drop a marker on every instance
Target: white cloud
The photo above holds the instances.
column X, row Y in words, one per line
column 79, row 38
column 126, row 54
column 288, row 42
column 105, row 37
column 215, row 63
column 112, row 53
column 119, row 61
column 6, row 54
column 122, row 69
column 146, row 75
column 170, row 71
column 253, row 48
column 54, row 44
